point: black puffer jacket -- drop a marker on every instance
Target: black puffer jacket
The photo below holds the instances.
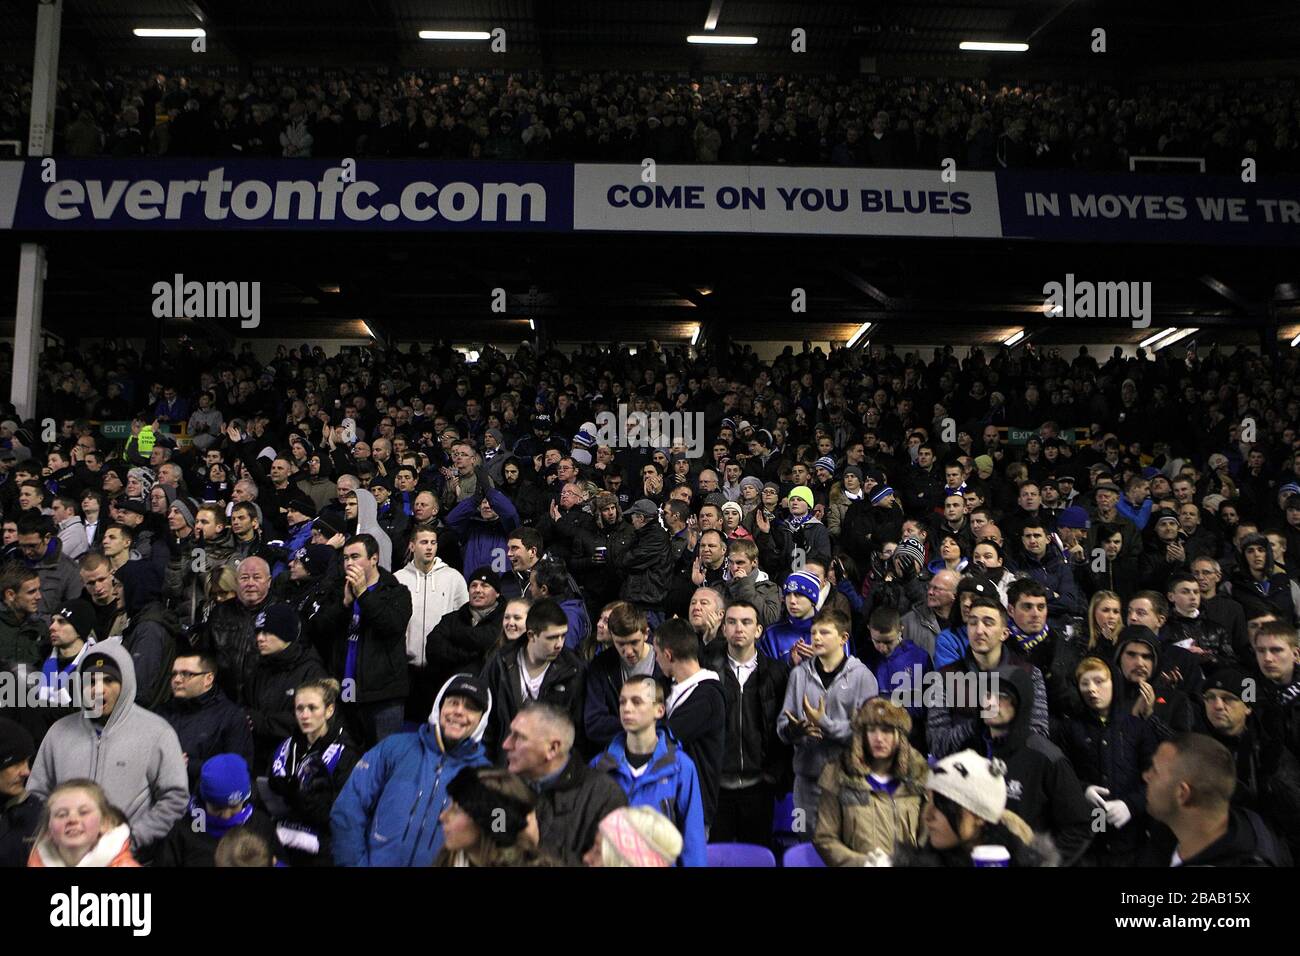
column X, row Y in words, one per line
column 600, row 582
column 268, row 689
column 646, row 564
column 381, row 662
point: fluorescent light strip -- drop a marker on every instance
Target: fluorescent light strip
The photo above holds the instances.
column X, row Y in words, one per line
column 532, row 325
column 857, row 336
column 1178, row 336
column 369, row 331
column 157, row 32
column 1151, row 340
column 720, row 40
column 454, row 35
column 972, row 46
column 1295, row 341
column 695, row 336
column 1013, row 340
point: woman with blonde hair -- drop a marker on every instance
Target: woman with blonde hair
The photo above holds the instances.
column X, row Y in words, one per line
column 80, row 828
column 1105, row 618
column 871, row 797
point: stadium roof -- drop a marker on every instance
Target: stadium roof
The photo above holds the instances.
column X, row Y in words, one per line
column 578, row 34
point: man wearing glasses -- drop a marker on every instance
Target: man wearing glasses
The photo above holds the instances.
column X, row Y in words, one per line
column 922, row 625
column 206, row 721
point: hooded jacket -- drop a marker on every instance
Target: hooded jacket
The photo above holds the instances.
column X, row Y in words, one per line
column 780, row 638
column 853, row 686
column 434, row 593
column 480, row 539
column 669, row 784
column 1042, row 788
column 381, row 670
column 950, row 729
column 368, row 523
column 387, row 813
column 696, row 716
column 112, row 850
column 135, row 757
column 855, row 815
column 604, row 681
column 20, row 641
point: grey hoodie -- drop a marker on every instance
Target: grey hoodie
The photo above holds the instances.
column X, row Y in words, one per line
column 368, row 523
column 136, row 757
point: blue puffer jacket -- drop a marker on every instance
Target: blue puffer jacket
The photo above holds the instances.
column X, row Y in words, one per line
column 670, row 785
column 299, row 537
column 780, row 637
column 950, row 645
column 387, row 813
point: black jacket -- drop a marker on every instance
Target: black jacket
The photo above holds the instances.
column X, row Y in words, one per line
column 699, row 724
column 381, row 672
column 1207, row 634
column 570, row 808
column 563, row 686
column 268, row 695
column 1042, row 787
column 189, row 844
column 18, row 822
column 1248, row 842
column 751, row 745
column 307, row 784
column 150, row 639
column 208, row 725
column 645, row 563
column 600, row 582
column 1114, row 755
column 457, row 645
column 600, row 712
column 230, row 635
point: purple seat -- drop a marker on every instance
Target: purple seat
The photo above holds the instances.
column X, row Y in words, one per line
column 802, row 855
column 740, row 854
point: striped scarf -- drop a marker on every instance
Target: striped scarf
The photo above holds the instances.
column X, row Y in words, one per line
column 1027, row 642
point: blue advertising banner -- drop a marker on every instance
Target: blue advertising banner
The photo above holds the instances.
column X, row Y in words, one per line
column 1213, row 210
column 294, row 194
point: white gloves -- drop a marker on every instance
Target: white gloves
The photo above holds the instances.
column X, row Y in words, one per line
column 1096, row 795
column 1117, row 813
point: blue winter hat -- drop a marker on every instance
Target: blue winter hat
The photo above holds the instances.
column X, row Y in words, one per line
column 805, row 583
column 1072, row 517
column 827, row 462
column 224, row 781
column 1150, row 471
column 881, row 495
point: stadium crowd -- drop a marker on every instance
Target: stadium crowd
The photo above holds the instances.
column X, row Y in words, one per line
column 397, row 608
column 612, row 116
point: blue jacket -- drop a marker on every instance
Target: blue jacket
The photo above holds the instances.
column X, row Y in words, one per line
column 1139, row 516
column 387, row 813
column 299, row 536
column 780, row 637
column 669, row 785
column 480, row 539
column 1053, row 573
column 575, row 609
column 904, row 661
column 950, row 645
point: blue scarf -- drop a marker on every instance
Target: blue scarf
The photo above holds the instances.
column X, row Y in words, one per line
column 354, row 638
column 1027, row 642
column 794, row 524
column 215, row 826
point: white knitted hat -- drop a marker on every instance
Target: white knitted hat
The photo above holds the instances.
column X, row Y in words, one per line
column 971, row 781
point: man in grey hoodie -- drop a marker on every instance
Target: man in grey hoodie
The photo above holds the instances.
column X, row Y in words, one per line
column 133, row 754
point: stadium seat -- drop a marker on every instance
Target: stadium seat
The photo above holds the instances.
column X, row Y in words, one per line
column 802, row 855
column 740, row 854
